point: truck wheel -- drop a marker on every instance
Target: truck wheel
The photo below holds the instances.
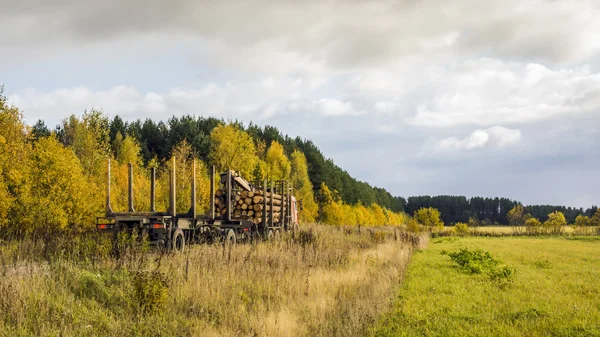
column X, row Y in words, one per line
column 177, row 244
column 230, row 239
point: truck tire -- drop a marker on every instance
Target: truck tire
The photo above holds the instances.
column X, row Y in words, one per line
column 177, row 243
column 230, row 238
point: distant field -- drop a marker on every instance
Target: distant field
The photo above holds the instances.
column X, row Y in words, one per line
column 556, row 291
column 517, row 230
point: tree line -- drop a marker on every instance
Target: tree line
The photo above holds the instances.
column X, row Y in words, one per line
column 488, row 211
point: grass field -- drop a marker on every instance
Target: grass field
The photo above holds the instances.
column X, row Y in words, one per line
column 555, row 291
column 324, row 281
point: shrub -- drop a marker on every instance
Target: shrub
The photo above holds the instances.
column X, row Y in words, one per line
column 151, row 290
column 474, row 261
column 478, row 261
column 461, row 228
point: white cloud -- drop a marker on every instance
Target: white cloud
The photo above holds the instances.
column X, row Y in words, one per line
column 488, row 92
column 333, row 107
column 494, row 137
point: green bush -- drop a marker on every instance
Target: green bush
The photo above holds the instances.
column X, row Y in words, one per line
column 478, row 261
column 475, row 261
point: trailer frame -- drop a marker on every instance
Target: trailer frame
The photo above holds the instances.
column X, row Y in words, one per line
column 174, row 231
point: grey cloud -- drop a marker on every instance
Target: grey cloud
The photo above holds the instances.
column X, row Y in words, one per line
column 337, row 33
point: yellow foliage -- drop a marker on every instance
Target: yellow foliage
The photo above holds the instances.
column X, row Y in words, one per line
column 183, row 162
column 337, row 213
column 533, row 223
column 232, row 148
column 325, row 196
column 278, row 165
column 379, row 217
column 556, row 219
column 15, row 167
column 60, row 194
column 582, row 220
column 303, row 189
column 430, row 218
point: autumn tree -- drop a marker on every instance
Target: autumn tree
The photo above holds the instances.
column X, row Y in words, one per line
column 379, row 215
column 128, row 152
column 582, row 220
column 303, row 189
column 89, row 138
column 184, row 157
column 595, row 219
column 430, row 218
column 60, row 194
column 555, row 222
column 15, row 168
column 232, row 148
column 516, row 216
column 278, row 165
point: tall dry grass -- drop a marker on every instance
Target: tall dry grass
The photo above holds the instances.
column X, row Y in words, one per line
column 324, row 281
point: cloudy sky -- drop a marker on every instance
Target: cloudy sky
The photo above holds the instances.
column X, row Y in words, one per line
column 489, row 98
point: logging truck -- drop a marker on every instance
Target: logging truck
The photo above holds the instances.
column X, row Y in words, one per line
column 239, row 211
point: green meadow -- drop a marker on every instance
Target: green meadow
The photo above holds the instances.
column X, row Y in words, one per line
column 554, row 290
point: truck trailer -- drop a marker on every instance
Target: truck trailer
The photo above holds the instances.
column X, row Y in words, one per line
column 275, row 212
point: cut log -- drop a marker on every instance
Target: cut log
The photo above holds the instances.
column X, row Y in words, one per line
column 248, row 201
column 244, row 206
column 244, row 194
column 257, row 199
column 250, row 213
column 250, row 194
column 274, row 196
column 219, row 192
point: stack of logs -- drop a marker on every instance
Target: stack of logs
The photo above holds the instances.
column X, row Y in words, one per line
column 250, row 205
